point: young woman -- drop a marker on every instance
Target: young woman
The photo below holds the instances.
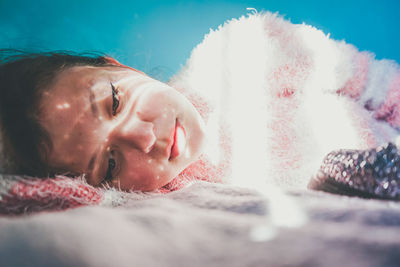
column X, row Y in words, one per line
column 80, row 115
column 260, row 97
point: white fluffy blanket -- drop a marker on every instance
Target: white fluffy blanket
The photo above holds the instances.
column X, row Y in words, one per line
column 289, row 95
column 287, row 85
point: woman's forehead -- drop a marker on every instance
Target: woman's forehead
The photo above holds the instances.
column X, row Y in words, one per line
column 74, row 83
column 66, row 113
column 86, row 75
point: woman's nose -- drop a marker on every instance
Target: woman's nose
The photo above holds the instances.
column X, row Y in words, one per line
column 136, row 133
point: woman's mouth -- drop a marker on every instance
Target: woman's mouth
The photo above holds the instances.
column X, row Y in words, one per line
column 179, row 141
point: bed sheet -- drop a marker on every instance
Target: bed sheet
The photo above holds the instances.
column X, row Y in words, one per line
column 207, row 224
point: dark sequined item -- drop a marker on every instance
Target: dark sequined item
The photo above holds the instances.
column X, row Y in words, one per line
column 373, row 173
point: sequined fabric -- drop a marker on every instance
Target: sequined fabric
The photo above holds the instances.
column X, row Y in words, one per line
column 373, row 173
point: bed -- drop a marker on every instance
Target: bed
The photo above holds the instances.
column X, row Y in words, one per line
column 208, row 224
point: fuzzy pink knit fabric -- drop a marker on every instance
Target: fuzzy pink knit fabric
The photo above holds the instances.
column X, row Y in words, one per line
column 26, row 195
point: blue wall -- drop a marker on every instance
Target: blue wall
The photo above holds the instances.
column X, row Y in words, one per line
column 157, row 36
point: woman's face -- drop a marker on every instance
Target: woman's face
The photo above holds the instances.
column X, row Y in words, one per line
column 119, row 127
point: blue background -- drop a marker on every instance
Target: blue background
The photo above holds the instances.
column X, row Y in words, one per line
column 157, row 36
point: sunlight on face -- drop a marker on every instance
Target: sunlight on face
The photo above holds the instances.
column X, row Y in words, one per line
column 120, row 127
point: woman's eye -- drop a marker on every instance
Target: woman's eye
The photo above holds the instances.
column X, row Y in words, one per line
column 110, row 168
column 115, row 99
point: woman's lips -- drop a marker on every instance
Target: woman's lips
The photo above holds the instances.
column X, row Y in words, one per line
column 179, row 141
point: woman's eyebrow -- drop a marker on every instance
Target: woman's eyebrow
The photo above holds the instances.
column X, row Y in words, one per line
column 92, row 161
column 93, row 105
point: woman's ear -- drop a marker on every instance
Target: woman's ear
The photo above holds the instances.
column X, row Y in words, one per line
column 115, row 62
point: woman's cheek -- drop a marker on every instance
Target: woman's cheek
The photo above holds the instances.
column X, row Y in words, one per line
column 156, row 103
column 145, row 175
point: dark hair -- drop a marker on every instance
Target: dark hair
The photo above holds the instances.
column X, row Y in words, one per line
column 23, row 77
